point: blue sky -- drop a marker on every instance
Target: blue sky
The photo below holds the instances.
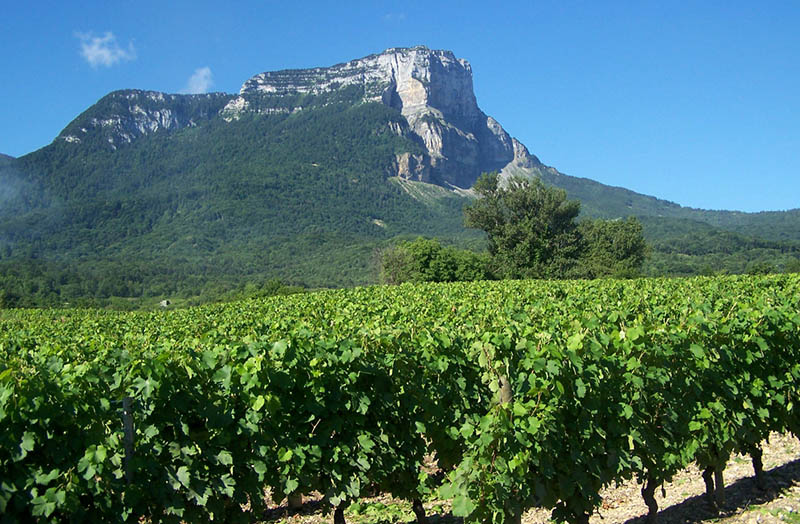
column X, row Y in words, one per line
column 695, row 102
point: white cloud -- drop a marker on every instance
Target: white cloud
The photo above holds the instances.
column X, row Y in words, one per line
column 200, row 82
column 104, row 50
column 394, row 17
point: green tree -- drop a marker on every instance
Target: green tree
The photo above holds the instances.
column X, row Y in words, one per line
column 533, row 233
column 761, row 267
column 396, row 265
column 531, row 228
column 426, row 260
column 611, row 248
column 8, row 299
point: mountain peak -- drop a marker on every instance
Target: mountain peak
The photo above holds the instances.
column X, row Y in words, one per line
column 407, row 78
column 432, row 89
column 122, row 116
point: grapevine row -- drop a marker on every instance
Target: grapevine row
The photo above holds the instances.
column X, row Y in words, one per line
column 528, row 393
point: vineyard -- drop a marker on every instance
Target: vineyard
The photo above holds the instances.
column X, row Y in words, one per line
column 528, row 393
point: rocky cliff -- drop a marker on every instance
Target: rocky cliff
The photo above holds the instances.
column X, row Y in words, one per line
column 433, row 91
column 122, row 116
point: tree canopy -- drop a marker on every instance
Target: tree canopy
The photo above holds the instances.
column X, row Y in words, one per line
column 533, row 232
column 426, row 260
column 531, row 228
column 611, row 248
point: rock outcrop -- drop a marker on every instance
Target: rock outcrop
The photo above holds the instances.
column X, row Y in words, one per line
column 123, row 116
column 432, row 89
column 412, row 167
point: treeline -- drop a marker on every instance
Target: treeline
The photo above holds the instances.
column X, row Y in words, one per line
column 125, row 286
column 689, row 247
column 532, row 231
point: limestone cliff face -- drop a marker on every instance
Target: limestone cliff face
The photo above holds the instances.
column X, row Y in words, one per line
column 432, row 90
column 412, row 167
column 123, row 116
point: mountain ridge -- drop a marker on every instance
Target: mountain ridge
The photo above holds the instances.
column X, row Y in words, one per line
column 188, row 110
column 124, row 115
column 432, row 89
column 154, row 193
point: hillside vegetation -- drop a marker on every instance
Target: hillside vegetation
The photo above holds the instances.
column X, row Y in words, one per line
column 301, row 189
column 303, row 197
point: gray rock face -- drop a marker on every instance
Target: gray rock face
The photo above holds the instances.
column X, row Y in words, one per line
column 412, row 167
column 432, row 90
column 122, row 116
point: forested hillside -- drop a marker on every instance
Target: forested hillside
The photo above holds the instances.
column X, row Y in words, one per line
column 301, row 197
column 147, row 195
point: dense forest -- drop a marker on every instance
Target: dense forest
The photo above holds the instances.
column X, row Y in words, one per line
column 301, row 196
column 298, row 191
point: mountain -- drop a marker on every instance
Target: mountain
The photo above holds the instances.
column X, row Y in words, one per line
column 609, row 202
column 6, row 162
column 433, row 92
column 301, row 176
column 124, row 116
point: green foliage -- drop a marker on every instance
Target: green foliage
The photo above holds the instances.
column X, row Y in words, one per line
column 689, row 247
column 642, row 387
column 530, row 227
column 533, row 233
column 761, row 268
column 345, row 392
column 611, row 248
column 426, row 260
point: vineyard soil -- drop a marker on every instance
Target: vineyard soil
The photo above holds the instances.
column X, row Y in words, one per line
column 684, row 501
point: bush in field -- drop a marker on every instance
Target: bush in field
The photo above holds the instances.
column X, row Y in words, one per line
column 426, row 260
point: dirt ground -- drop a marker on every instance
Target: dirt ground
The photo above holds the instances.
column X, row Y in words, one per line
column 682, row 500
